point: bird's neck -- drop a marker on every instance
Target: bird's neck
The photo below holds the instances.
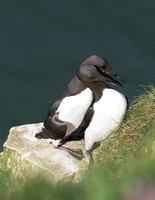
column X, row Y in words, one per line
column 97, row 88
column 76, row 86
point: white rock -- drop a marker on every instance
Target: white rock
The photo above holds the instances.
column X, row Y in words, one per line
column 26, row 156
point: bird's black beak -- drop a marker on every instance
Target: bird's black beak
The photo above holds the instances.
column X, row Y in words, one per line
column 120, row 78
column 112, row 78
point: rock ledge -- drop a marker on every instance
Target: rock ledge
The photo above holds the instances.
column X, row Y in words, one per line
column 25, row 156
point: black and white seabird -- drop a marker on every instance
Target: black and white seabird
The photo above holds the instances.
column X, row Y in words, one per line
column 68, row 109
column 110, row 105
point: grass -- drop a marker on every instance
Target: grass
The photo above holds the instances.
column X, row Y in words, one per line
column 128, row 142
column 123, row 163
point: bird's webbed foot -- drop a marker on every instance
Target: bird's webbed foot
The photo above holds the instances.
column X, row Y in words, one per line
column 76, row 153
column 89, row 154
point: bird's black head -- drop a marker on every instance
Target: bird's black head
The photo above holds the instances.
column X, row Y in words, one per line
column 95, row 69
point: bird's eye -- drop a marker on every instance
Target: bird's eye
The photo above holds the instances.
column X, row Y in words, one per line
column 103, row 67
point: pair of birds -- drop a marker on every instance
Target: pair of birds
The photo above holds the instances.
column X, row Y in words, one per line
column 76, row 102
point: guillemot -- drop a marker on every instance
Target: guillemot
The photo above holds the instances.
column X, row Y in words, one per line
column 68, row 109
column 110, row 105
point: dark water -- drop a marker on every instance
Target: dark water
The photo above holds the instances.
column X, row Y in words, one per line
column 43, row 42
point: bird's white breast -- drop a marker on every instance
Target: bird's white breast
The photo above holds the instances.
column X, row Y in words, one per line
column 73, row 108
column 108, row 113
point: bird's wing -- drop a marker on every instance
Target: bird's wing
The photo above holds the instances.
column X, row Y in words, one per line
column 89, row 115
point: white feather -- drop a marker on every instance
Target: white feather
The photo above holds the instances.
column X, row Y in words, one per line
column 109, row 111
column 73, row 108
